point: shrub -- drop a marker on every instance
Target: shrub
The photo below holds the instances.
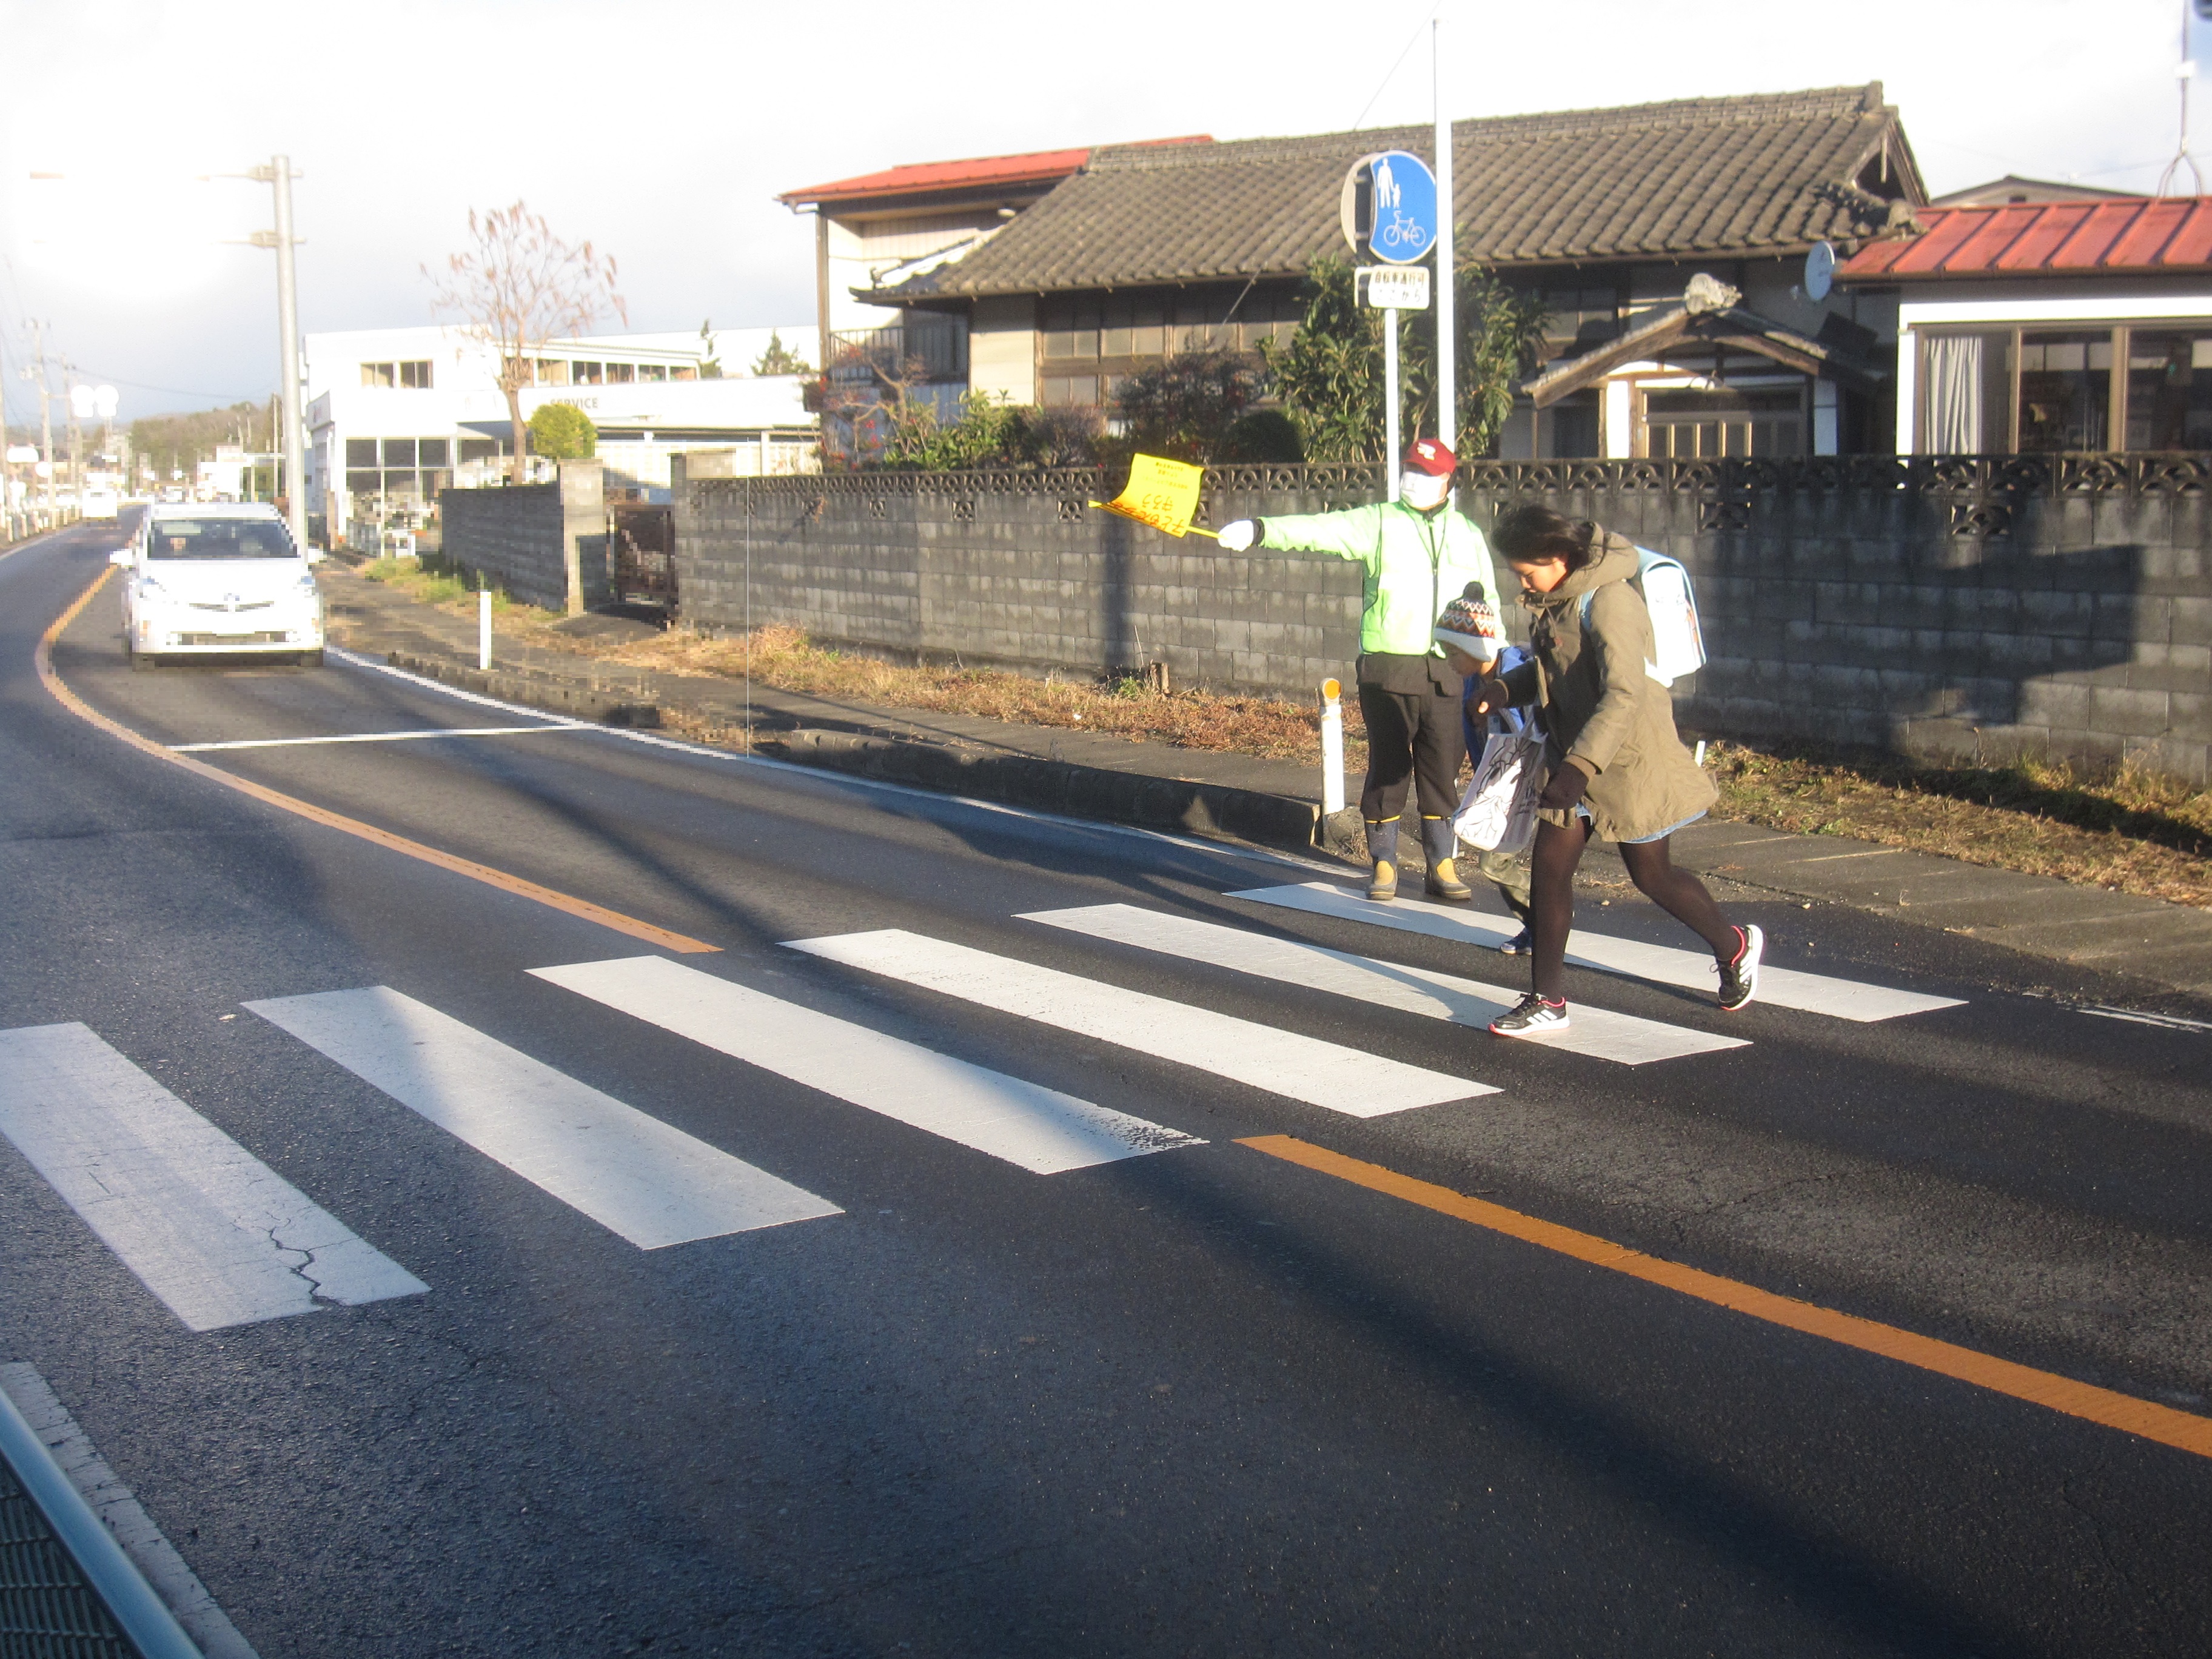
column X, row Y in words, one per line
column 562, row 432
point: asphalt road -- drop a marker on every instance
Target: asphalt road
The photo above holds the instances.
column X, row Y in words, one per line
column 1200, row 1401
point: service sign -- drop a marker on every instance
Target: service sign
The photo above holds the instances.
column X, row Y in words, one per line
column 1397, row 287
column 1389, row 207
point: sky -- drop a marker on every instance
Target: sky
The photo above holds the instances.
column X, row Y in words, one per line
column 663, row 131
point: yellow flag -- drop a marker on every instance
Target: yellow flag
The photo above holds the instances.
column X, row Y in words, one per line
column 1161, row 493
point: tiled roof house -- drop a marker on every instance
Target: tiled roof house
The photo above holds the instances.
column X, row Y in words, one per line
column 1143, row 250
column 2048, row 325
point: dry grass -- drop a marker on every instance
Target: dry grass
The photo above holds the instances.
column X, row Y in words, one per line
column 450, row 593
column 785, row 659
column 2126, row 829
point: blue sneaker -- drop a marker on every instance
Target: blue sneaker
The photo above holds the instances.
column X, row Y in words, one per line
column 1521, row 945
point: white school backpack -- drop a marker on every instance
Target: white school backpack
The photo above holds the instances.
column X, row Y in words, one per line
column 1672, row 605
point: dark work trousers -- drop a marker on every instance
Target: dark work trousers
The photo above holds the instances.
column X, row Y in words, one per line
column 1410, row 734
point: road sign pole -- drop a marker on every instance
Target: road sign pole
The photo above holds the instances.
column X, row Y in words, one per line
column 1390, row 401
column 1447, row 384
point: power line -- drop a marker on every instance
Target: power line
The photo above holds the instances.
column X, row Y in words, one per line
column 1397, row 65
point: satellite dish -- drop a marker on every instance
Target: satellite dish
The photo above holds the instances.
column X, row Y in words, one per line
column 1820, row 271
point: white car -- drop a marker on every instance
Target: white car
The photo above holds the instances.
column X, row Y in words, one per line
column 218, row 580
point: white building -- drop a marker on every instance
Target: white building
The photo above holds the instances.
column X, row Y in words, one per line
column 395, row 415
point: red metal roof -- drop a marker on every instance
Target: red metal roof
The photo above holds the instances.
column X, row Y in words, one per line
column 2139, row 236
column 1041, row 167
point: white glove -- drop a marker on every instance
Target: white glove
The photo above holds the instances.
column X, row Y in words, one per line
column 1238, row 535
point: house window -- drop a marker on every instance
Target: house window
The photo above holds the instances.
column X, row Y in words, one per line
column 480, row 449
column 1065, row 391
column 399, row 451
column 415, row 376
column 2169, row 389
column 683, row 371
column 552, row 370
column 652, row 371
column 360, row 451
column 378, row 374
column 619, row 373
column 1070, row 328
column 2065, row 390
column 586, row 374
column 1691, row 425
column 431, row 452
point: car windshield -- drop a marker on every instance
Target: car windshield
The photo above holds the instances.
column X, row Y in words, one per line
column 217, row 539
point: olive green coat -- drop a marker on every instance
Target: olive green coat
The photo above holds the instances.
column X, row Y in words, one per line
column 1603, row 713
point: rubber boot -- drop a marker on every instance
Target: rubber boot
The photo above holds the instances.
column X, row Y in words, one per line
column 1382, row 847
column 1440, row 841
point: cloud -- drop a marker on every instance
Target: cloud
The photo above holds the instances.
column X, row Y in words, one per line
column 663, row 132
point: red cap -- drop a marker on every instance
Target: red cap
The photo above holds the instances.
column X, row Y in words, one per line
column 1429, row 456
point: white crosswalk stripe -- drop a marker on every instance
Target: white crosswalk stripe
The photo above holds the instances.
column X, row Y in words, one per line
column 638, row 1177
column 1326, row 1074
column 1781, row 987
column 217, row 1235
column 1039, row 1129
column 1596, row 1033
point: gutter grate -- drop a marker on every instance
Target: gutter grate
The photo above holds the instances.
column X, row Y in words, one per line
column 47, row 1610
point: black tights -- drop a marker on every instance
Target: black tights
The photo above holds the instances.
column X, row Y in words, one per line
column 1651, row 866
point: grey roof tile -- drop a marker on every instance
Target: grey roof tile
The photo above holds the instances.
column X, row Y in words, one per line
column 1711, row 177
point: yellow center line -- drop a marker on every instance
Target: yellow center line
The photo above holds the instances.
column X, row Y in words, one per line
column 369, row 832
column 2183, row 1431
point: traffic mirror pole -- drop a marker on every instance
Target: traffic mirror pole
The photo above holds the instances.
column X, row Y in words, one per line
column 1390, row 404
column 1447, row 385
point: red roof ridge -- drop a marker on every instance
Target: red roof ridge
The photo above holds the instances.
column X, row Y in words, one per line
column 1021, row 167
column 2135, row 233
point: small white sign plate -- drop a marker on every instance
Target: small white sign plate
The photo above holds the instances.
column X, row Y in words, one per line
column 1397, row 287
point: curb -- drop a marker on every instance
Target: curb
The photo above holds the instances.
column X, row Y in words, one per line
column 1211, row 810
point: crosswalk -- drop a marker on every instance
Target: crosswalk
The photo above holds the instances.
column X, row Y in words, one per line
column 1663, row 964
column 221, row 1238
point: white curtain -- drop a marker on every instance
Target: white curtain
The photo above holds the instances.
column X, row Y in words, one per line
column 1955, row 396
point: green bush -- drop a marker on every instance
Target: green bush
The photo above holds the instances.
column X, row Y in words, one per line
column 562, row 432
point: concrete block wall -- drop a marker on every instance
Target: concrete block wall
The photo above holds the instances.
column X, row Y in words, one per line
column 1953, row 606
column 546, row 544
column 1018, row 573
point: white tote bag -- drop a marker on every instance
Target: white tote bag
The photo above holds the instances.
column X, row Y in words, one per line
column 1498, row 812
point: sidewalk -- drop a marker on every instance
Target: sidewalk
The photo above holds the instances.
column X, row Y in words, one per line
column 1266, row 802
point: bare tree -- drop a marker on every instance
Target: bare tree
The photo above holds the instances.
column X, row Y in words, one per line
column 518, row 286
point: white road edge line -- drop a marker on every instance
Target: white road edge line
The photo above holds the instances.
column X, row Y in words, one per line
column 642, row 1179
column 1622, row 1038
column 2167, row 1022
column 217, row 1235
column 119, row 1512
column 380, row 737
column 1025, row 1124
column 1289, row 1063
column 1663, row 965
column 821, row 775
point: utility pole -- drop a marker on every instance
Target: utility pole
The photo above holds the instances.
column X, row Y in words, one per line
column 1447, row 324
column 295, row 444
column 76, row 431
column 46, row 416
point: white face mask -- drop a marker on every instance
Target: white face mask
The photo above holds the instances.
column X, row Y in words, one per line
column 1422, row 492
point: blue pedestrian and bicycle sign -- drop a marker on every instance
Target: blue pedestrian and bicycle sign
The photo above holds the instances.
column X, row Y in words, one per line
column 1389, row 207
